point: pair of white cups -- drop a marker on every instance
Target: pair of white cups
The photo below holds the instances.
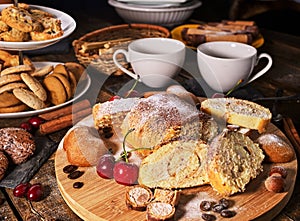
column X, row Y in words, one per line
column 156, row 61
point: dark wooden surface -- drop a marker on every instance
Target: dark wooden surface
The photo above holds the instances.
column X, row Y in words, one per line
column 284, row 74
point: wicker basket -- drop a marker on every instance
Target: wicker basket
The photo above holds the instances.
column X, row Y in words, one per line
column 110, row 39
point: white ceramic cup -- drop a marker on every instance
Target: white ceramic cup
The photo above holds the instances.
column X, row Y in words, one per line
column 222, row 64
column 155, row 61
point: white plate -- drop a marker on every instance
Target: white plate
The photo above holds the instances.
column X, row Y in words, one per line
column 82, row 87
column 67, row 22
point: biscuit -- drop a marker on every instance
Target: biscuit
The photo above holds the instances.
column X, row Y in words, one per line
column 6, row 79
column 73, row 82
column 29, row 98
column 13, row 109
column 11, row 86
column 76, row 69
column 14, row 35
column 61, row 69
column 8, row 99
column 16, row 69
column 63, row 79
column 56, row 91
column 21, row 19
column 35, row 86
column 43, row 71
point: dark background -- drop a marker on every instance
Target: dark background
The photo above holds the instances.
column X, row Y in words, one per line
column 278, row 18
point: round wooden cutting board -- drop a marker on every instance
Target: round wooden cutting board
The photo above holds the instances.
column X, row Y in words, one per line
column 101, row 199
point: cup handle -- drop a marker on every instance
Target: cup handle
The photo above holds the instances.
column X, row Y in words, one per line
column 125, row 53
column 265, row 69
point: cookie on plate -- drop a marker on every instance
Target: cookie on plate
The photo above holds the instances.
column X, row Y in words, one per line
column 35, row 86
column 21, row 19
column 11, row 86
column 13, row 109
column 14, row 35
column 16, row 69
column 56, row 91
column 63, row 79
column 8, row 99
column 76, row 69
column 10, row 78
column 43, row 71
column 29, row 98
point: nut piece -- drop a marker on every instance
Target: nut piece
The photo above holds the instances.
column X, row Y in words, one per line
column 138, row 197
column 275, row 184
column 278, row 171
column 158, row 211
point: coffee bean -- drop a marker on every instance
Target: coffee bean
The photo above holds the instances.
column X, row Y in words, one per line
column 227, row 213
column 224, row 202
column 206, row 205
column 217, row 208
column 78, row 185
column 76, row 174
column 208, row 217
column 70, row 168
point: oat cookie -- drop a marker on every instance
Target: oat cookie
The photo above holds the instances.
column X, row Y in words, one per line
column 16, row 69
column 8, row 99
column 29, row 98
column 17, row 108
column 35, row 86
column 6, row 79
column 57, row 94
column 43, row 71
column 11, row 86
column 21, row 19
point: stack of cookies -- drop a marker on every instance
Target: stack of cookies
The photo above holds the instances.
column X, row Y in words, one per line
column 23, row 87
column 24, row 23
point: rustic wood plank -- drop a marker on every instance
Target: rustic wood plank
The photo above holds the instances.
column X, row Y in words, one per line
column 52, row 207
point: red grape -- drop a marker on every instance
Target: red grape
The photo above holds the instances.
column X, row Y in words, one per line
column 35, row 192
column 26, row 126
column 36, row 121
column 126, row 173
column 105, row 166
column 21, row 189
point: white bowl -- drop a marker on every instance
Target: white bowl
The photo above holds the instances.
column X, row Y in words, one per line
column 165, row 16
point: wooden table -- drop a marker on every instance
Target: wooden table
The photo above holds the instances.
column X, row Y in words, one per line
column 284, row 74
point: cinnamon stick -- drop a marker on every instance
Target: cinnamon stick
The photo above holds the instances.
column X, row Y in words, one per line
column 64, row 121
column 66, row 110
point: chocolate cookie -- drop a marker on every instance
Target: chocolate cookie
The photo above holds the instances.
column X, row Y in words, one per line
column 3, row 164
column 18, row 144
